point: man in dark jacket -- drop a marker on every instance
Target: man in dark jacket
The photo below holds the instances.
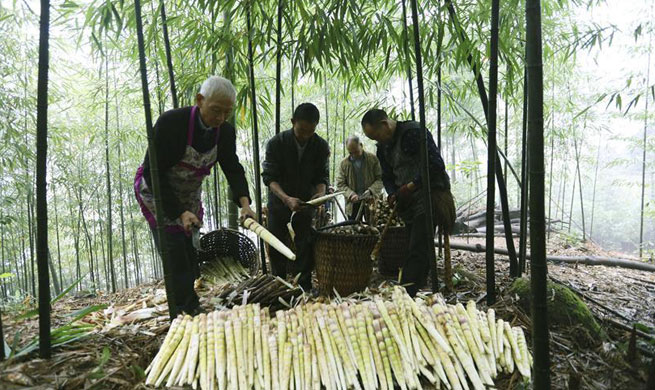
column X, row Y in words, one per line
column 190, row 141
column 295, row 170
column 398, row 149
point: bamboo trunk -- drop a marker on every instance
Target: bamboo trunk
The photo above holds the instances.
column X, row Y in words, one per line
column 644, row 148
column 593, row 196
column 491, row 154
column 278, row 70
column 523, row 237
column 105, row 268
column 153, row 157
column 110, row 228
column 54, row 200
column 2, row 258
column 30, row 221
column 89, row 245
column 122, row 214
column 408, row 61
column 502, row 189
column 255, row 130
column 169, row 58
column 53, row 272
column 41, row 189
column 424, row 169
column 577, row 163
column 538, row 265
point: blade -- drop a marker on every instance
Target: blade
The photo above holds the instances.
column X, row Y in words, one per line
column 195, row 238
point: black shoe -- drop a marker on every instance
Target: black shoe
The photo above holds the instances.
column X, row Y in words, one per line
column 194, row 312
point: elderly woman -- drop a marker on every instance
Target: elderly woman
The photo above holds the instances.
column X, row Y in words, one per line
column 190, row 141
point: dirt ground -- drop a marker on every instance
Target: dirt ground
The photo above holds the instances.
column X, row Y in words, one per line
column 128, row 332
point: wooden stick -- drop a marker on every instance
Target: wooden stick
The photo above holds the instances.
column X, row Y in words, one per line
column 343, row 212
column 378, row 245
column 360, row 212
column 448, row 269
column 267, row 236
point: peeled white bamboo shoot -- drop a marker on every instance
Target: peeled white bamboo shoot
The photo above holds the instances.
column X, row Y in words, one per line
column 267, row 236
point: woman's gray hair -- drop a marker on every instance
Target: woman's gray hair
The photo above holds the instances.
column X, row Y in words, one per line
column 218, row 87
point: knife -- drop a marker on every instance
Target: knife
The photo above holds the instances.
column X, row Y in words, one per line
column 195, row 237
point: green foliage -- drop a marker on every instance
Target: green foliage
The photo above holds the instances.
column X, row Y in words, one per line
column 68, row 333
column 35, row 312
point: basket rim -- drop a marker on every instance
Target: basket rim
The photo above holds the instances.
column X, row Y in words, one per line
column 349, row 236
column 223, row 228
column 253, row 265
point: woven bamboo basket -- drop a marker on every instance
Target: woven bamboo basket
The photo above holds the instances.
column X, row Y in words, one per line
column 343, row 262
column 226, row 242
column 393, row 251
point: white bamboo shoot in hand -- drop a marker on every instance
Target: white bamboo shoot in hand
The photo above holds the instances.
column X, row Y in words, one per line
column 267, row 236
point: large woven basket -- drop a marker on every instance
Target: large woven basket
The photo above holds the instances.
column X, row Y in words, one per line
column 393, row 251
column 226, row 242
column 343, row 262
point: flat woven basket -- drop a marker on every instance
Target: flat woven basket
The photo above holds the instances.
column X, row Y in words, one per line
column 343, row 262
column 226, row 242
column 393, row 251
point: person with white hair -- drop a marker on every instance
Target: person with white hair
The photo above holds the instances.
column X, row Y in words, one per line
column 190, row 141
column 359, row 173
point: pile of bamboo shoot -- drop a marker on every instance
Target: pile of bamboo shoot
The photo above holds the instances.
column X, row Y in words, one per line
column 359, row 228
column 225, row 270
column 380, row 211
column 368, row 345
column 266, row 290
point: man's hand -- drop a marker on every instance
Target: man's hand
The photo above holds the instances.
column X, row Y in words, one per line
column 402, row 195
column 318, row 195
column 391, row 200
column 354, row 198
column 189, row 220
column 294, row 204
column 247, row 212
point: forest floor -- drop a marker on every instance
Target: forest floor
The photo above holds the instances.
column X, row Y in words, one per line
column 128, row 332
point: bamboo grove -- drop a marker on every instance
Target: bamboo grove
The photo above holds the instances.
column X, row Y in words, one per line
column 80, row 235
